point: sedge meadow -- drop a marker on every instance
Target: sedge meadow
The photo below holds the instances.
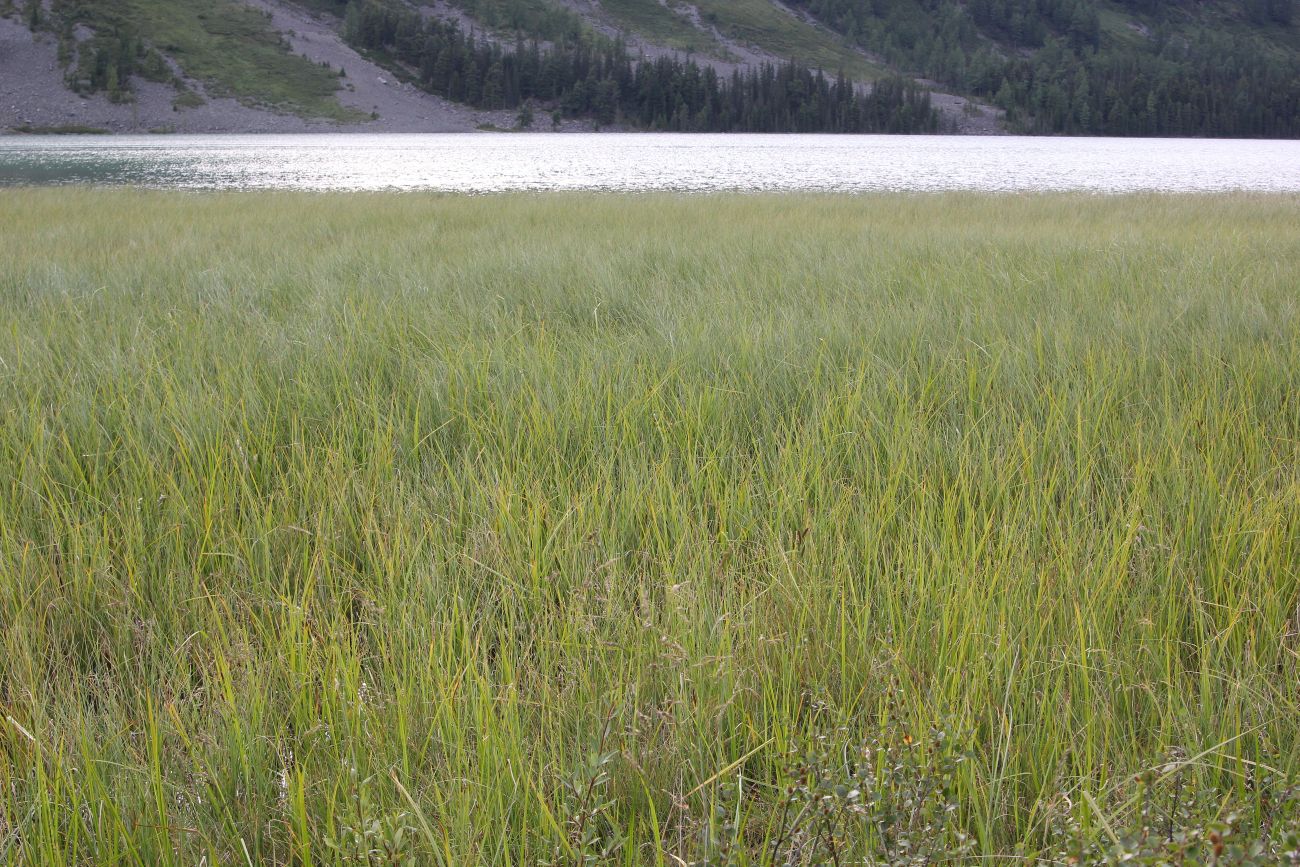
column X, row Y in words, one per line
column 578, row 529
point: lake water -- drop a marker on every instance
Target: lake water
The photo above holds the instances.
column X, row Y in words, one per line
column 626, row 162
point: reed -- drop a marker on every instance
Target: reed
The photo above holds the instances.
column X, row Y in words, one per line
column 647, row 530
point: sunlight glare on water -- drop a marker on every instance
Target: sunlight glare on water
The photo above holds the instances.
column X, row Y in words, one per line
column 479, row 163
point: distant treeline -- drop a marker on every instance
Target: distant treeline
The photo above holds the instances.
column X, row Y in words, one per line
column 585, row 76
column 1054, row 68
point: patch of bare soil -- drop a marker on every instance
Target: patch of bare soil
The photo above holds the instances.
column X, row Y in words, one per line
column 966, row 116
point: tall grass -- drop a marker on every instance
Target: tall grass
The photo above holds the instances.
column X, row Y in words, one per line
column 588, row 529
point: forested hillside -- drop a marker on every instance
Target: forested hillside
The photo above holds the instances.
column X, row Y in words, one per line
column 583, row 76
column 1096, row 67
column 1123, row 67
column 1118, row 67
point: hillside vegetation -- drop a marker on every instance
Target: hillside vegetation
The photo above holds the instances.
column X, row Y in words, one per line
column 1110, row 67
column 225, row 44
column 1119, row 67
column 587, row 76
column 583, row 529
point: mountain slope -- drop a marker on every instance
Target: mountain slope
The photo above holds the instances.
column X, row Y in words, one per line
column 1120, row 67
column 582, row 74
column 1110, row 67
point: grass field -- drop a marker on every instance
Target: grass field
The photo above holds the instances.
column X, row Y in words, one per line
column 388, row 529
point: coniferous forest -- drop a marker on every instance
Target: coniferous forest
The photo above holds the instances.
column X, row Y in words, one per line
column 1054, row 66
column 1055, row 69
column 586, row 76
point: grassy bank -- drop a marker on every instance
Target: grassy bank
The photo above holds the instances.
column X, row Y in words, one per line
column 645, row 530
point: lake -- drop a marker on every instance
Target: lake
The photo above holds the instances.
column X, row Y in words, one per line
column 478, row 163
